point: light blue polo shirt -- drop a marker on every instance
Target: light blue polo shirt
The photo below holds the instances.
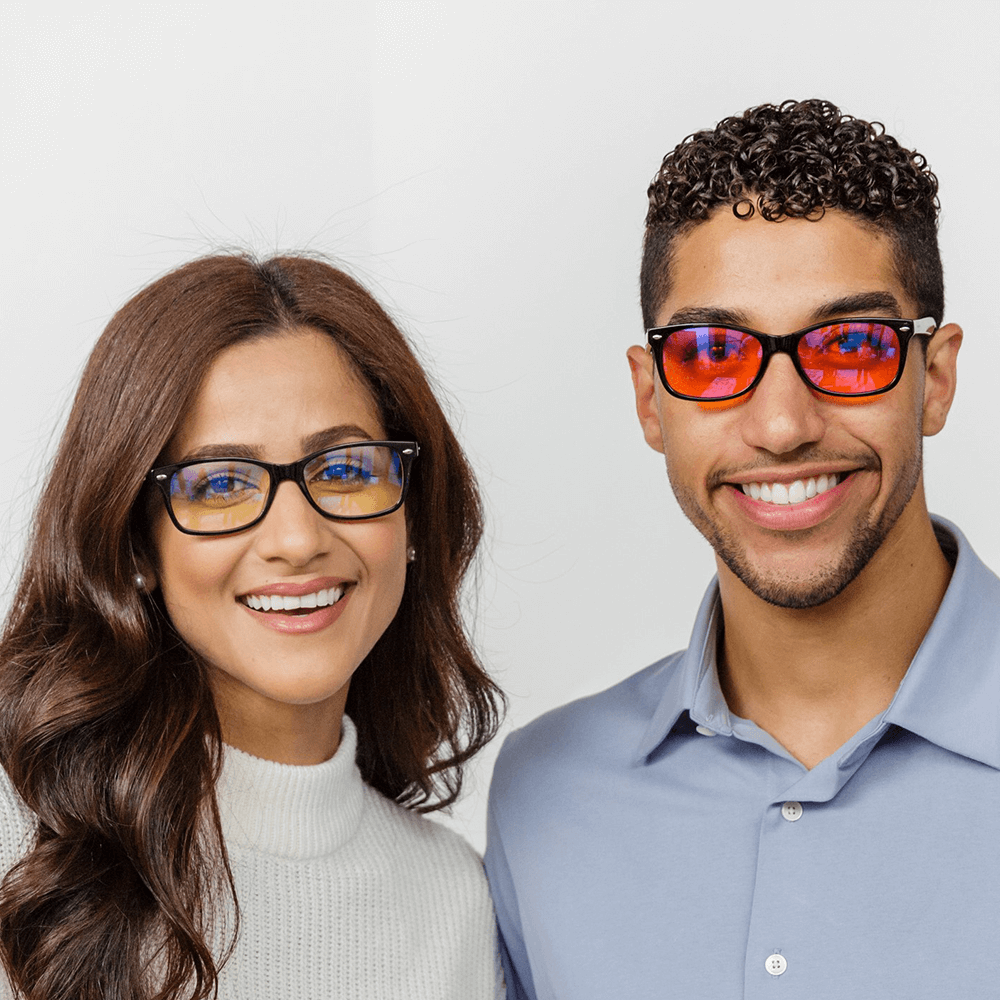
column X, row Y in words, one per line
column 645, row 842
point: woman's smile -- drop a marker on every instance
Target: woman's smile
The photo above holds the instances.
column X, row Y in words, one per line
column 278, row 607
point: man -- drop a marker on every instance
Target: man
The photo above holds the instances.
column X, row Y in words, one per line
column 806, row 802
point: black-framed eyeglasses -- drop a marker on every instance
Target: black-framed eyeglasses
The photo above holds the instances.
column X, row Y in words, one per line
column 848, row 357
column 352, row 482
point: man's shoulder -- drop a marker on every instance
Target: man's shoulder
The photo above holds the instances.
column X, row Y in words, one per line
column 603, row 729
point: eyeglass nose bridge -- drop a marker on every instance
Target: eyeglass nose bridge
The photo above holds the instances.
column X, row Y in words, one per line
column 293, row 472
column 770, row 346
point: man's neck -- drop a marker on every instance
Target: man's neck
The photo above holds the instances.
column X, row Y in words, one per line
column 813, row 677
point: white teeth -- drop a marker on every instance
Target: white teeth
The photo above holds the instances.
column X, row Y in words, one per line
column 276, row 602
column 793, row 493
column 329, row 596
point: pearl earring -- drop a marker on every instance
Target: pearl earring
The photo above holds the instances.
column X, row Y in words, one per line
column 411, row 554
column 140, row 582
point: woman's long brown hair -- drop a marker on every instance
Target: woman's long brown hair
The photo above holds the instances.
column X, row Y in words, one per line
column 108, row 729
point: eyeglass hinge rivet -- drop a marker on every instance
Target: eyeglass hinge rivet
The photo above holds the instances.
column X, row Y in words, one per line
column 161, row 476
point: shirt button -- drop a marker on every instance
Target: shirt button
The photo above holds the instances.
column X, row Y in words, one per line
column 776, row 964
column 704, row 730
column 791, row 811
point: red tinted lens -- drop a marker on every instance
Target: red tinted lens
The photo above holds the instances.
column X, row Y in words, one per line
column 710, row 362
column 850, row 358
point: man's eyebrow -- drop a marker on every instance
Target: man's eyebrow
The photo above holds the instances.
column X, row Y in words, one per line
column 708, row 316
column 860, row 304
column 326, row 438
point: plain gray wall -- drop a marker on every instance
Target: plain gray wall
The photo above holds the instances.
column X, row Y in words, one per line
column 482, row 167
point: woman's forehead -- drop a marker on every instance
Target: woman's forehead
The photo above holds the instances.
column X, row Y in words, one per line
column 274, row 393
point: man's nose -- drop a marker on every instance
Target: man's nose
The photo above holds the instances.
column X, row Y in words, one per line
column 783, row 414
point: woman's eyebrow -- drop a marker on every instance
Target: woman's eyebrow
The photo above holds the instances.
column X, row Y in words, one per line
column 209, row 451
column 337, row 434
column 326, row 438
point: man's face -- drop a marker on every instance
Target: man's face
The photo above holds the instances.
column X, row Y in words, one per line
column 778, row 278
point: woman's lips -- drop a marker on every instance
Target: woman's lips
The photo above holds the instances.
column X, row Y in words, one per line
column 300, row 620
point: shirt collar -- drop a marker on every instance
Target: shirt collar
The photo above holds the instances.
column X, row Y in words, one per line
column 950, row 694
column 692, row 678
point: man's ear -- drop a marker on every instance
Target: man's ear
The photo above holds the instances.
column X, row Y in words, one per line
column 940, row 376
column 644, row 382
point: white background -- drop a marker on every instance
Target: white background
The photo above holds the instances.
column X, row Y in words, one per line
column 482, row 167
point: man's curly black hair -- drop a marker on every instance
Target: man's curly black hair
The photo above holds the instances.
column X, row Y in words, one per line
column 796, row 160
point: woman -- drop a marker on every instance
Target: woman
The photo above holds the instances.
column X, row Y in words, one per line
column 199, row 651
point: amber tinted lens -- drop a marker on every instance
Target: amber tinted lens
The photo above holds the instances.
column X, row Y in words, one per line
column 850, row 358
column 359, row 481
column 710, row 362
column 218, row 496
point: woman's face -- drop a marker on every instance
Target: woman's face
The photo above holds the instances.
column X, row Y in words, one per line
column 280, row 677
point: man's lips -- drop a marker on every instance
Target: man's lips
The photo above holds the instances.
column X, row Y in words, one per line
column 803, row 513
column 796, row 491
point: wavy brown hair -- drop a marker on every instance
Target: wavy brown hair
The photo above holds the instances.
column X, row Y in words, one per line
column 108, row 729
column 796, row 160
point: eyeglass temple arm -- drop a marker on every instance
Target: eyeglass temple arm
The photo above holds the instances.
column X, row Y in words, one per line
column 925, row 326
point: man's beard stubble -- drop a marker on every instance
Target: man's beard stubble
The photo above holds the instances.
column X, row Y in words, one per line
column 827, row 581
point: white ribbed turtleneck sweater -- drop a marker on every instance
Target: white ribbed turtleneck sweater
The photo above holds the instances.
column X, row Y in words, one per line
column 343, row 894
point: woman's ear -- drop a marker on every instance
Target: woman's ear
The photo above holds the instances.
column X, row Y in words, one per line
column 144, row 578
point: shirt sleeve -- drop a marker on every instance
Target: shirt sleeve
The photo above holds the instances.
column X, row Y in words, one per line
column 513, row 954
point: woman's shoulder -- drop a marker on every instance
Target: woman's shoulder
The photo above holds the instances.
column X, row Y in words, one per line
column 17, row 825
column 419, row 838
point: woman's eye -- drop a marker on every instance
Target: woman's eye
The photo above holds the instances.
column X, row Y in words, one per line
column 213, row 486
column 222, row 484
column 344, row 472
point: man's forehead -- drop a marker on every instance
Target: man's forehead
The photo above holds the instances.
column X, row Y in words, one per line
column 753, row 272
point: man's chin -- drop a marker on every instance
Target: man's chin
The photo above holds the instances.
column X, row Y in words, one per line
column 785, row 589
